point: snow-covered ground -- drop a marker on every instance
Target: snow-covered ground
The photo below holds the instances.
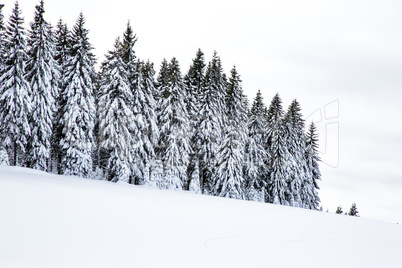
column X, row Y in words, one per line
column 57, row 221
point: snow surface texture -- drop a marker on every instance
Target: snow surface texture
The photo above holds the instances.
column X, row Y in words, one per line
column 60, row 221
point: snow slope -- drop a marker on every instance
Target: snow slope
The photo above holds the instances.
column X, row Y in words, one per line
column 58, row 221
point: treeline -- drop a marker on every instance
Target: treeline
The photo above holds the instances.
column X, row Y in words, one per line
column 194, row 132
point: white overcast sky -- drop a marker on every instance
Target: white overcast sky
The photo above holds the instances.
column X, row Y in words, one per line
column 342, row 59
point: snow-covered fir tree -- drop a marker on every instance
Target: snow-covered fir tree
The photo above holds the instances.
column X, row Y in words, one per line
column 295, row 144
column 210, row 124
column 79, row 109
column 116, row 117
column 228, row 179
column 353, row 210
column 150, row 131
column 310, row 186
column 63, row 48
column 41, row 70
column 2, row 38
column 15, row 92
column 277, row 162
column 339, row 210
column 194, row 81
column 174, row 129
column 255, row 167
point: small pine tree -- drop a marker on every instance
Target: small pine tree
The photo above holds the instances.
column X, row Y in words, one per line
column 15, row 91
column 353, row 210
column 339, row 210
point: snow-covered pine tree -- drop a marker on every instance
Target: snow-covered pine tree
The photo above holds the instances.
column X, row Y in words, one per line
column 116, row 122
column 278, row 173
column 228, row 179
column 353, row 210
column 174, row 128
column 210, row 124
column 194, row 81
column 15, row 92
column 41, row 70
column 255, row 166
column 151, row 131
column 2, row 38
column 295, row 144
column 339, row 210
column 63, row 48
column 79, row 109
column 310, row 196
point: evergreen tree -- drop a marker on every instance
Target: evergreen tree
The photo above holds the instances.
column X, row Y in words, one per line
column 62, row 52
column 211, row 117
column 2, row 38
column 229, row 175
column 339, row 210
column 313, row 174
column 296, row 163
column 194, row 81
column 255, row 168
column 15, row 92
column 277, row 163
column 79, row 109
column 174, row 128
column 42, row 69
column 116, row 116
column 151, row 131
column 353, row 210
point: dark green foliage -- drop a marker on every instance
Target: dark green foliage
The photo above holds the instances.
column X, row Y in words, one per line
column 353, row 210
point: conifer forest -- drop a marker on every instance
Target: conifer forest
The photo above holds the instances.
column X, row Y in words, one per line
column 128, row 122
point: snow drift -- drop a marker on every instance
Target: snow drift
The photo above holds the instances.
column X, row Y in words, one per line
column 60, row 221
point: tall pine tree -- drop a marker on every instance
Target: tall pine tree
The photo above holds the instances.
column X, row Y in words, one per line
column 310, row 186
column 63, row 48
column 210, row 124
column 228, row 179
column 255, row 168
column 116, row 116
column 79, row 109
column 15, row 92
column 42, row 69
column 277, row 163
column 174, row 128
column 295, row 144
column 194, row 81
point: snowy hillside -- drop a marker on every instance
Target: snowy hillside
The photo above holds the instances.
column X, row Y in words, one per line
column 57, row 221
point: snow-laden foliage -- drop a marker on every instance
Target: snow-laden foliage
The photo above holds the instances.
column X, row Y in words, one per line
column 279, row 155
column 62, row 50
column 228, row 179
column 79, row 108
column 295, row 144
column 194, row 81
column 255, row 169
column 41, row 70
column 116, row 117
column 310, row 186
column 2, row 38
column 174, row 129
column 15, row 91
column 210, row 124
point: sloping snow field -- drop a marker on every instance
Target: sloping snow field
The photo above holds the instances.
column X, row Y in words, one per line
column 57, row 221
